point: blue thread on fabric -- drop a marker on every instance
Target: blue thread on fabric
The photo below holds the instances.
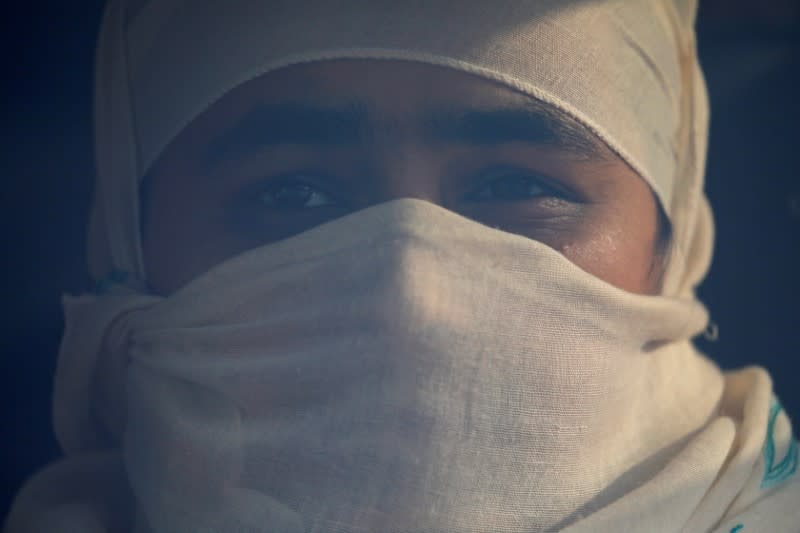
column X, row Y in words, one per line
column 737, row 528
column 774, row 474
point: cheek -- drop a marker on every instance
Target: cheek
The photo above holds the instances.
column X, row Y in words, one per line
column 619, row 253
column 184, row 234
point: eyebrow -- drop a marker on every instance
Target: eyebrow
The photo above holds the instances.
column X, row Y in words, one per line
column 351, row 124
column 533, row 124
column 290, row 123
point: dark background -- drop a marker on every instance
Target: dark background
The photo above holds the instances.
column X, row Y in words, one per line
column 751, row 54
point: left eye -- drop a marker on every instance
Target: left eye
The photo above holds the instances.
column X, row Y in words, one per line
column 294, row 195
column 512, row 188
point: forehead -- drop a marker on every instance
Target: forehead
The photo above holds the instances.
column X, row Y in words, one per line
column 390, row 84
column 392, row 98
column 388, row 88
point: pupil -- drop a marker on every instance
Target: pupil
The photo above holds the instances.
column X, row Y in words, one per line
column 296, row 195
column 511, row 188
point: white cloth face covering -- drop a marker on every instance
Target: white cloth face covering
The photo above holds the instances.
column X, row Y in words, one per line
column 344, row 380
column 347, row 381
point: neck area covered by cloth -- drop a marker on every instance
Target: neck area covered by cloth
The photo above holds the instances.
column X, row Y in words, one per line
column 403, row 369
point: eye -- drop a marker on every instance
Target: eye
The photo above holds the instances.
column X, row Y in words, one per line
column 293, row 194
column 512, row 187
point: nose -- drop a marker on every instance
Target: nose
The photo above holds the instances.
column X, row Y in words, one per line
column 409, row 172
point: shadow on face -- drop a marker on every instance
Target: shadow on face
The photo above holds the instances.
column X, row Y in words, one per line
column 307, row 144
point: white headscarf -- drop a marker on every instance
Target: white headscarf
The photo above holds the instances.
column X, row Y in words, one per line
column 514, row 393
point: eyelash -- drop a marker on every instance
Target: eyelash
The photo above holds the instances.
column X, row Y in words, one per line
column 511, row 178
column 307, row 193
column 515, row 178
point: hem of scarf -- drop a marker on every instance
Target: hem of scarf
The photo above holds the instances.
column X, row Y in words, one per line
column 777, row 512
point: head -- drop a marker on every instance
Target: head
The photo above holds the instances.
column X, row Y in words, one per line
column 222, row 131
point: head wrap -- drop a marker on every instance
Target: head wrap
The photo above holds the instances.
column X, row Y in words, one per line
column 389, row 400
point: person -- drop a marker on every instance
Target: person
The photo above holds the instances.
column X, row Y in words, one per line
column 403, row 266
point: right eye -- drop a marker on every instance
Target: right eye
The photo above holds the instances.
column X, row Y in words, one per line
column 513, row 187
column 294, row 194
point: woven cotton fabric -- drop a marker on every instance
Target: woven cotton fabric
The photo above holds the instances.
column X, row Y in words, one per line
column 404, row 369
column 389, row 401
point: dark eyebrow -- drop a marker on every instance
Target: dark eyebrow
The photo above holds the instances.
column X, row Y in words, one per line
column 308, row 124
column 533, row 124
column 290, row 123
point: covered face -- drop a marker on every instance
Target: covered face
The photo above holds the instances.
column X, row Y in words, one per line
column 308, row 144
column 405, row 266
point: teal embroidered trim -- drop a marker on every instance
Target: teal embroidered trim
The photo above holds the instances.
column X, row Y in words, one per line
column 775, row 474
column 737, row 528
